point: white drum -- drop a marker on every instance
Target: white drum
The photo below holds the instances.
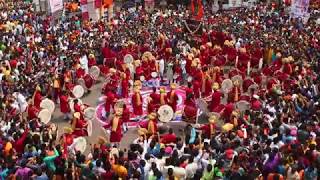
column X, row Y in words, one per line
column 94, row 72
column 80, row 144
column 89, row 113
column 78, row 91
column 44, row 116
column 47, row 104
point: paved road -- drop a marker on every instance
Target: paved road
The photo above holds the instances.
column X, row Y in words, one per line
column 91, row 99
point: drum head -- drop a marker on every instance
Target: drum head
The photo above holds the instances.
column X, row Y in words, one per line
column 243, row 105
column 78, row 91
column 226, row 85
column 94, row 72
column 89, row 113
column 89, row 128
column 202, row 105
column 237, row 78
column 165, row 113
column 44, row 116
column 48, row 104
column 82, row 83
column 81, row 144
column 128, row 58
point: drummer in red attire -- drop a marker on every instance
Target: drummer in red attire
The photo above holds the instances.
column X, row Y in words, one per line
column 37, row 97
column 32, row 111
column 110, row 100
column 152, row 127
column 66, row 140
column 154, row 101
column 124, row 85
column 64, row 105
column 79, row 125
column 209, row 129
column 190, row 109
column 137, row 100
column 216, row 97
column 234, row 95
column 172, row 97
column 116, row 124
column 91, row 60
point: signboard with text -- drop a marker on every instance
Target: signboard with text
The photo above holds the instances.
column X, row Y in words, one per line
column 55, row 5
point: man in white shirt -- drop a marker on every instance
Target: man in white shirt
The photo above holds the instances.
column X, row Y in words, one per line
column 191, row 168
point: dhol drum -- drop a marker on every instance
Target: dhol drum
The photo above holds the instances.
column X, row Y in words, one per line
column 88, row 81
column 77, row 91
column 165, row 113
column 243, row 105
column 202, row 105
column 44, row 116
column 89, row 113
column 94, row 72
column 47, row 104
column 226, row 86
column 80, row 144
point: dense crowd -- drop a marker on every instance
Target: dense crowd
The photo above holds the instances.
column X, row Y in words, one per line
column 277, row 138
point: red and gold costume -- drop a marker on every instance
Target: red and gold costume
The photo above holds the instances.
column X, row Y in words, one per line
column 154, row 102
column 234, row 95
column 151, row 128
column 116, row 123
column 137, row 102
column 172, row 98
column 216, row 97
column 79, row 125
column 64, row 104
column 209, row 129
column 37, row 97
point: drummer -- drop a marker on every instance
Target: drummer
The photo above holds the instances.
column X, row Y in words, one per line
column 64, row 105
column 79, row 125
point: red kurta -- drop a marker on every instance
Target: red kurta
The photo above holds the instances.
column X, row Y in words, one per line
column 64, row 104
column 216, row 100
column 116, row 135
column 137, row 108
column 37, row 99
column 172, row 99
column 80, row 129
column 32, row 112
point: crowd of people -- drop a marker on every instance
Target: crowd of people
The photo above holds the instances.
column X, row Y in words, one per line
column 277, row 137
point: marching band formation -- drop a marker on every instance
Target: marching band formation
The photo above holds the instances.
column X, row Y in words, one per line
column 249, row 77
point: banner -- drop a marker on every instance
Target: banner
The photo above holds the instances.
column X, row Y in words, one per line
column 299, row 8
column 55, row 5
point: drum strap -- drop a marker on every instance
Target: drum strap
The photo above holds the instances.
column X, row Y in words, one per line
column 172, row 96
column 115, row 123
column 151, row 127
column 236, row 96
column 211, row 129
